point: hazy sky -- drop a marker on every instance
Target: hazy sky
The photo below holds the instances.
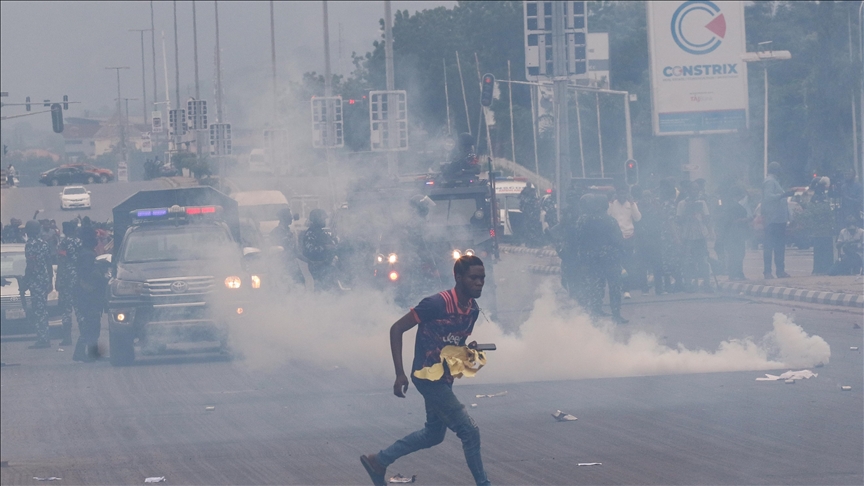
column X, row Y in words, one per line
column 48, row 49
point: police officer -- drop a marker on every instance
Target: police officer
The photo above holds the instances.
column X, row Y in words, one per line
column 319, row 249
column 12, row 232
column 463, row 160
column 89, row 297
column 38, row 278
column 282, row 235
column 67, row 276
column 598, row 245
column 529, row 205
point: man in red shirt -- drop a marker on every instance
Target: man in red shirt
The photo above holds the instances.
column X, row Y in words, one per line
column 446, row 318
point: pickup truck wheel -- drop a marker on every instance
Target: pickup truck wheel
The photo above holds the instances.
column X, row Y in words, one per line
column 103, row 179
column 122, row 347
column 54, row 182
column 91, row 180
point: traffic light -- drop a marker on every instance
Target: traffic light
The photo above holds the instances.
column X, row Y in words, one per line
column 27, row 103
column 488, row 90
column 65, row 102
column 57, row 117
column 631, row 172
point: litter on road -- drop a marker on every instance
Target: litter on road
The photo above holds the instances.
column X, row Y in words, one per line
column 563, row 416
column 590, row 463
column 210, row 408
column 846, row 388
column 789, row 375
column 790, row 382
column 398, row 478
column 473, row 405
column 52, row 478
column 155, row 479
column 59, row 350
column 493, row 395
column 854, row 348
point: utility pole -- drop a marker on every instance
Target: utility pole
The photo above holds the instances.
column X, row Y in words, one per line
column 176, row 57
column 392, row 161
column 120, row 115
column 562, row 122
column 143, row 73
column 218, row 68
column 195, row 49
column 273, row 58
column 153, row 47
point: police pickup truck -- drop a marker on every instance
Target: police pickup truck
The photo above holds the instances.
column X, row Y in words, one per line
column 179, row 272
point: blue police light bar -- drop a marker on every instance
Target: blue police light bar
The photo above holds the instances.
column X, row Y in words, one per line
column 151, row 213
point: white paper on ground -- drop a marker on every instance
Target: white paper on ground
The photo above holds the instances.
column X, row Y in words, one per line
column 493, row 395
column 398, row 478
column 52, row 478
column 590, row 464
column 563, row 416
column 155, row 479
column 789, row 375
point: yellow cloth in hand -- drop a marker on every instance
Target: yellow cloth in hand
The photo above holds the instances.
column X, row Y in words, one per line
column 461, row 360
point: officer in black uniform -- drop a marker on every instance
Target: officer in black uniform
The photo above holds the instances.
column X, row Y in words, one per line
column 598, row 245
column 319, row 250
column 463, row 160
column 67, row 276
column 89, row 297
column 39, row 279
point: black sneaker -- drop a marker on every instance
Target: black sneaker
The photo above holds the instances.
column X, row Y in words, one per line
column 376, row 471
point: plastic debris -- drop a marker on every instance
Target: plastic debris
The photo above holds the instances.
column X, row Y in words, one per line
column 563, row 416
column 59, row 350
column 493, row 395
column 52, row 478
column 155, row 479
column 398, row 478
column 854, row 348
column 789, row 375
column 590, row 464
column 210, row 408
column 473, row 405
column 789, row 382
column 846, row 388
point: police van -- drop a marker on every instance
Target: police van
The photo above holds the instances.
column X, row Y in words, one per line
column 179, row 271
column 507, row 192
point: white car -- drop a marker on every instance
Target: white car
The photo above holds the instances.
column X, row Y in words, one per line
column 74, row 197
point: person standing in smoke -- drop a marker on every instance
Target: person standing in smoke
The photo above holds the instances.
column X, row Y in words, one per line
column 775, row 217
column 67, row 276
column 597, row 245
column 39, row 279
column 463, row 160
column 446, row 318
column 89, row 297
column 626, row 213
column 283, row 236
column 319, row 249
column 529, row 205
column 734, row 229
column 695, row 230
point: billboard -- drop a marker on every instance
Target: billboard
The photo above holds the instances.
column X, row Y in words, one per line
column 698, row 80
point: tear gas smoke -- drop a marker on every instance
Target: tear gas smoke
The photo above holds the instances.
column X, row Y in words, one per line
column 351, row 330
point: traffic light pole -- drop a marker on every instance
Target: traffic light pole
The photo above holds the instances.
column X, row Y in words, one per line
column 392, row 161
column 562, row 122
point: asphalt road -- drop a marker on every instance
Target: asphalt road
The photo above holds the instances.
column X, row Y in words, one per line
column 22, row 202
column 299, row 423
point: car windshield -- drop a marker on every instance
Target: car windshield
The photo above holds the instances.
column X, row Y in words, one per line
column 12, row 263
column 452, row 212
column 182, row 243
column 74, row 190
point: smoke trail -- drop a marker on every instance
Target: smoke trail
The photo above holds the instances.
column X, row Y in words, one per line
column 350, row 330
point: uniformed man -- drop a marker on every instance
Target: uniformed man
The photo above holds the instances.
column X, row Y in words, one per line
column 39, row 280
column 529, row 205
column 89, row 297
column 319, row 249
column 597, row 246
column 67, row 279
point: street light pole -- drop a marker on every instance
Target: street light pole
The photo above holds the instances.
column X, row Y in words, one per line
column 143, row 72
column 218, row 68
column 195, row 49
column 176, row 58
column 120, row 114
column 273, row 57
column 765, row 57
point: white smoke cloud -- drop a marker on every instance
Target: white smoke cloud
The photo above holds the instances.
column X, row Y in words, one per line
column 351, row 330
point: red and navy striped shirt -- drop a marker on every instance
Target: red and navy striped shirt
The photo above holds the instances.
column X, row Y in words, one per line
column 441, row 323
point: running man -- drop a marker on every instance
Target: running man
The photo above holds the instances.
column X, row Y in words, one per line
column 446, row 318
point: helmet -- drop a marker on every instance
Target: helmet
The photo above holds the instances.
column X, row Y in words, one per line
column 318, row 217
column 15, row 222
column 33, row 228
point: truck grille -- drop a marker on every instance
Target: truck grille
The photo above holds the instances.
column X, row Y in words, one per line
column 170, row 288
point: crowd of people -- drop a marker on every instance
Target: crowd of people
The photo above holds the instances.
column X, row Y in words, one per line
column 80, row 279
column 638, row 237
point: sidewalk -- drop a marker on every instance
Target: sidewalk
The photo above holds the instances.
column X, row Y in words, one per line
column 844, row 290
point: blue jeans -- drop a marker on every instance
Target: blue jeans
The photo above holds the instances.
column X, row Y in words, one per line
column 443, row 411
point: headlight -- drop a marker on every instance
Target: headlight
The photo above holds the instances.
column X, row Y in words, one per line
column 379, row 258
column 232, row 282
column 392, row 258
column 469, row 252
column 256, row 282
column 456, row 254
column 394, row 276
column 126, row 287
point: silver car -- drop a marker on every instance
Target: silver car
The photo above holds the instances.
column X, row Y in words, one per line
column 12, row 266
